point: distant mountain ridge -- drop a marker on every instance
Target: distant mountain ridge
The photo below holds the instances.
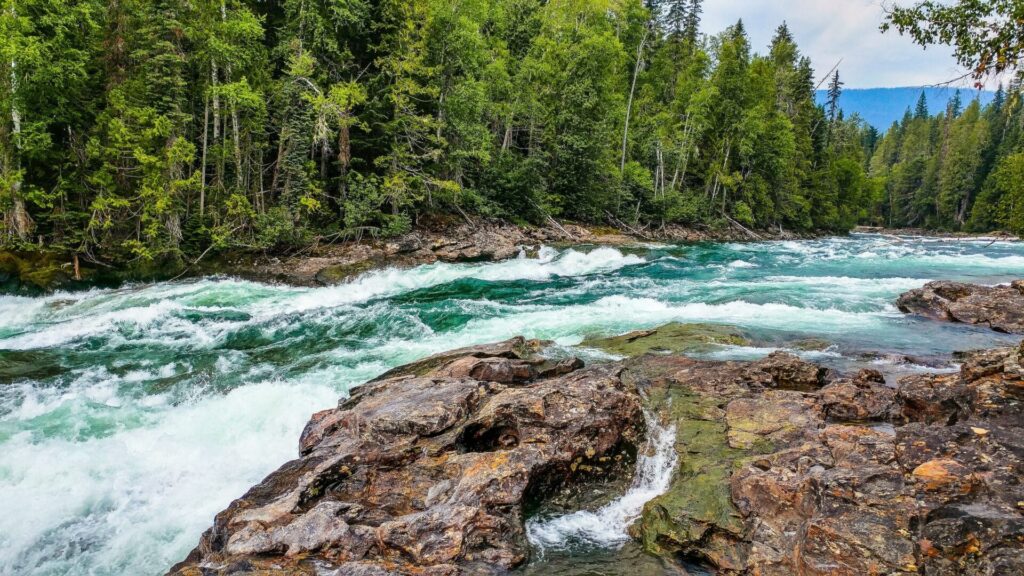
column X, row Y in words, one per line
column 880, row 107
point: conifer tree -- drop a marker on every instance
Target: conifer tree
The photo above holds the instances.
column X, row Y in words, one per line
column 835, row 91
column 921, row 109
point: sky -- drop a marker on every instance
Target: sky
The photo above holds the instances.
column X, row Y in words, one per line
column 830, row 30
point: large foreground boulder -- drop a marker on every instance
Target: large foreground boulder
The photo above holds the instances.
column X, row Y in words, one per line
column 427, row 471
column 1000, row 307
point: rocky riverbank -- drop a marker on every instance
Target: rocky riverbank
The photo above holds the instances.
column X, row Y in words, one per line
column 331, row 262
column 783, row 467
column 481, row 241
column 996, row 235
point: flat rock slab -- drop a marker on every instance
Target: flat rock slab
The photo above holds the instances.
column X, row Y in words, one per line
column 673, row 338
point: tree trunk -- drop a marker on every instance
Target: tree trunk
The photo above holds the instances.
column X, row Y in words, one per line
column 236, row 136
column 629, row 103
column 684, row 155
column 506, row 141
column 282, row 137
column 216, row 115
column 18, row 218
column 202, row 161
column 344, row 158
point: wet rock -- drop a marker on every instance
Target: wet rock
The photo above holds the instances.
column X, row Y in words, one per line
column 503, row 370
column 984, row 363
column 726, row 415
column 1000, row 308
column 865, row 398
column 932, row 398
column 769, row 419
column 810, row 344
column 789, row 372
column 427, row 471
column 884, row 358
column 517, row 348
column 338, row 273
column 942, row 495
column 671, row 338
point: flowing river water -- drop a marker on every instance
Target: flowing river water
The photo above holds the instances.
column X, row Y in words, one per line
column 129, row 417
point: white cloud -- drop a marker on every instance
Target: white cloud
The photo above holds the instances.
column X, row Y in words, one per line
column 828, row 31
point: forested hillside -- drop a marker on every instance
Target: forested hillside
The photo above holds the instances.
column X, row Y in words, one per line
column 140, row 129
column 962, row 169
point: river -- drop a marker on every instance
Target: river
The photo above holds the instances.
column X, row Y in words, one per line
column 129, row 417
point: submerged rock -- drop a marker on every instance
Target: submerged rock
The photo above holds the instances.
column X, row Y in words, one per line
column 670, row 338
column 1000, row 308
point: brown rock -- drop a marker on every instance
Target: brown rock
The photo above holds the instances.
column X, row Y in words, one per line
column 772, row 418
column 865, row 398
column 789, row 372
column 944, row 475
column 933, row 398
column 933, row 496
column 1000, row 308
column 428, row 473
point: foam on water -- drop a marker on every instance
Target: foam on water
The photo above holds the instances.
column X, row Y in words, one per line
column 128, row 417
column 550, row 263
column 135, row 501
column 607, row 525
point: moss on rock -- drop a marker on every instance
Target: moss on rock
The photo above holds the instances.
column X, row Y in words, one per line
column 339, row 273
column 674, row 338
column 32, row 272
column 698, row 500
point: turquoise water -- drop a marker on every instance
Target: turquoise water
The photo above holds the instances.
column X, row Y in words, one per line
column 129, row 417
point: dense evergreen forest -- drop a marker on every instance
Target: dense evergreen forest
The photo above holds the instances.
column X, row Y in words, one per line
column 142, row 129
column 962, row 169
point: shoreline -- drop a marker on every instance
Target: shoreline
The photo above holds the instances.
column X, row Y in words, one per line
column 999, row 236
column 46, row 272
column 34, row 273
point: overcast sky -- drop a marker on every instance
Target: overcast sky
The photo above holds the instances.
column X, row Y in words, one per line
column 827, row 30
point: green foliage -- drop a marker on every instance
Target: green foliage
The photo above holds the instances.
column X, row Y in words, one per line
column 152, row 130
column 987, row 35
column 943, row 171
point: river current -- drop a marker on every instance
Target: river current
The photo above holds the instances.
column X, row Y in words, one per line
column 129, row 417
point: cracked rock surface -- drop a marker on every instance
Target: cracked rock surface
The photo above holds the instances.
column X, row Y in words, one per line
column 784, row 468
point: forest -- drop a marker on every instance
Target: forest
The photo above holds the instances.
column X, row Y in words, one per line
column 151, row 130
column 962, row 169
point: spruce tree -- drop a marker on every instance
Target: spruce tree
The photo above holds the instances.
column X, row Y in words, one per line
column 691, row 24
column 921, row 109
column 835, row 91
